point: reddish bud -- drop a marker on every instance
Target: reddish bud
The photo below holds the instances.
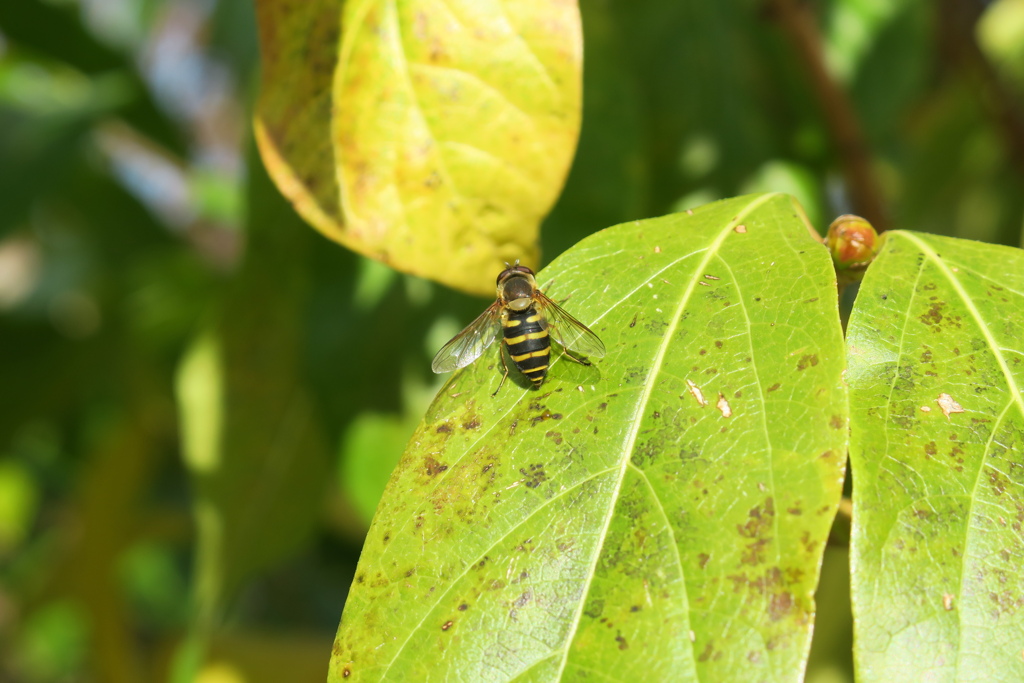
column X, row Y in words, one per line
column 852, row 242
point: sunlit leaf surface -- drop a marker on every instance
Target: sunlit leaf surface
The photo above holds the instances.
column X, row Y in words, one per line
column 454, row 127
column 936, row 372
column 658, row 516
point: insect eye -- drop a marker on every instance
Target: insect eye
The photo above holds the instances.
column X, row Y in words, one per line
column 512, row 269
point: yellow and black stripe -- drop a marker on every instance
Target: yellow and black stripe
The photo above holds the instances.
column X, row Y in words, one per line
column 528, row 343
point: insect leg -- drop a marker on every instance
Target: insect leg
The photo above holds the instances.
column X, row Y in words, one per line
column 548, row 287
column 581, row 361
column 501, row 354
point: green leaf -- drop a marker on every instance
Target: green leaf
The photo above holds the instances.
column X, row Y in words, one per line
column 608, row 181
column 369, row 452
column 673, row 50
column 19, row 503
column 53, row 641
column 661, row 514
column 454, row 128
column 937, row 431
column 1000, row 32
column 852, row 29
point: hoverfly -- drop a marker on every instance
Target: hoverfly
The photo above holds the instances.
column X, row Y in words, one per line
column 529, row 319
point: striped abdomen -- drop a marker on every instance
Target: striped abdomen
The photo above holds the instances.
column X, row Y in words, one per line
column 528, row 343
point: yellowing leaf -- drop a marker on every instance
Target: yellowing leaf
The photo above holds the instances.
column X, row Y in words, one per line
column 298, row 47
column 454, row 127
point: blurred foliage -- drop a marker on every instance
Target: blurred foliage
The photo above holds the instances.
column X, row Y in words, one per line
column 135, row 220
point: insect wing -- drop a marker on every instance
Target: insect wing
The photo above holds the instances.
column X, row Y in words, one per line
column 568, row 331
column 466, row 346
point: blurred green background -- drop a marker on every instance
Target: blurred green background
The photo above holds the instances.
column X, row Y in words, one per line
column 201, row 398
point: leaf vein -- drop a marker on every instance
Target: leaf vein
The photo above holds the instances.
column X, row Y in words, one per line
column 455, row 580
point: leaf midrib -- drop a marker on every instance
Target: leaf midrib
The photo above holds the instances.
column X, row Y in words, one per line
column 1015, row 395
column 629, row 444
column 403, row 69
column 975, row 314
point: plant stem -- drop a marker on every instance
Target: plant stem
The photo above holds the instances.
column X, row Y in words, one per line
column 798, row 23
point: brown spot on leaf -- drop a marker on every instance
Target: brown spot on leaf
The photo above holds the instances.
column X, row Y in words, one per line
column 433, row 467
column 546, row 415
column 446, row 625
column 773, row 387
column 807, row 361
column 535, row 476
column 760, row 518
column 443, row 429
column 998, row 482
column 1006, row 601
column 934, row 314
column 780, row 605
column 759, row 524
column 754, row 553
column 594, row 609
